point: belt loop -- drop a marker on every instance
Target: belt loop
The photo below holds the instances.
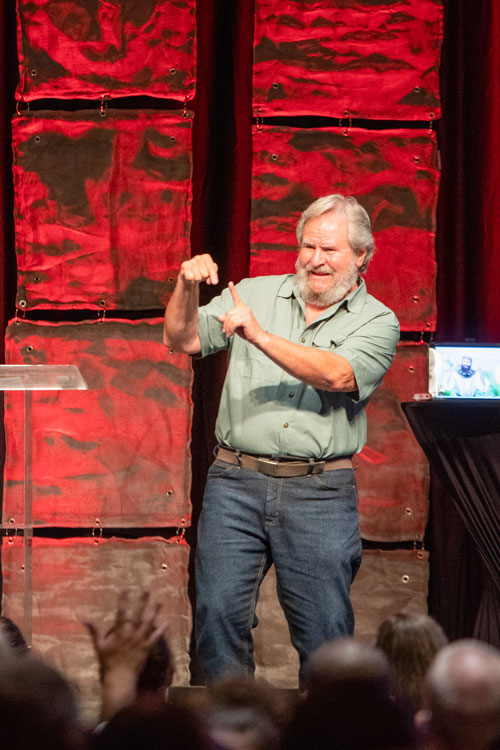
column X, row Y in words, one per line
column 310, row 467
column 238, row 456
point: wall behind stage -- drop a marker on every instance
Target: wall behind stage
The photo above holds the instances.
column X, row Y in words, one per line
column 77, row 242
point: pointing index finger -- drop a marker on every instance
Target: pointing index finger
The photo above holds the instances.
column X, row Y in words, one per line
column 236, row 297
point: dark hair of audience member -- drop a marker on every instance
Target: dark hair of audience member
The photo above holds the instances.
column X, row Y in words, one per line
column 157, row 672
column 13, row 636
column 241, row 712
column 349, row 703
column 154, row 726
column 38, row 707
column 410, row 641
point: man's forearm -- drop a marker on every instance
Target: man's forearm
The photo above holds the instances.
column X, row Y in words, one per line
column 180, row 330
column 320, row 369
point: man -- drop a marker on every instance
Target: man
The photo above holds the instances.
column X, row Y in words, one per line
column 306, row 351
column 462, row 698
column 466, row 382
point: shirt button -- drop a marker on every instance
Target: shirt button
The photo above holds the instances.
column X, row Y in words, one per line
column 303, row 340
column 291, row 394
column 286, row 424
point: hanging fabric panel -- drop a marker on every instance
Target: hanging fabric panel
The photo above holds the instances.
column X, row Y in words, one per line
column 394, row 175
column 102, row 206
column 82, row 49
column 77, row 580
column 373, row 59
column 118, row 452
column 393, row 472
column 389, row 580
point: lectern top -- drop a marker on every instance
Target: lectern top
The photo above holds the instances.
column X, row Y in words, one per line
column 41, row 378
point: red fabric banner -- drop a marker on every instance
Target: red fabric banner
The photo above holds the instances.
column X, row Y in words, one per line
column 77, row 580
column 117, row 452
column 393, row 472
column 393, row 174
column 349, row 58
column 102, row 208
column 81, row 49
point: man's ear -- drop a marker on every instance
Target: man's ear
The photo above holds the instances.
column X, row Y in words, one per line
column 360, row 259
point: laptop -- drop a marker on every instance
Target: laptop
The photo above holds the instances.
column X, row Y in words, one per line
column 464, row 371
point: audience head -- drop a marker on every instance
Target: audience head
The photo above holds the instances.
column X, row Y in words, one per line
column 38, row 707
column 349, row 703
column 12, row 636
column 346, row 659
column 462, row 697
column 244, row 714
column 410, row 642
column 157, row 672
column 155, row 726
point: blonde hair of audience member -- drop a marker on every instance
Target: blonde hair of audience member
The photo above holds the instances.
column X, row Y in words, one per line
column 410, row 641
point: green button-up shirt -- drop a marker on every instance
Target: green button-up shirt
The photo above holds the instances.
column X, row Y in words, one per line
column 264, row 410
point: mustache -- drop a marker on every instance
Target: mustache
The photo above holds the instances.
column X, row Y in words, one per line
column 319, row 269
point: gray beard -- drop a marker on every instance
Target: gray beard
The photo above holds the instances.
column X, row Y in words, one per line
column 340, row 286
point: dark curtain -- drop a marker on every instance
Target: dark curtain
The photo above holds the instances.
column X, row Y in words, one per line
column 468, row 213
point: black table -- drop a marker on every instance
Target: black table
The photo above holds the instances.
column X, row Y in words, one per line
column 461, row 440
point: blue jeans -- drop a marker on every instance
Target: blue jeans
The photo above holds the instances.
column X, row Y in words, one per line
column 307, row 526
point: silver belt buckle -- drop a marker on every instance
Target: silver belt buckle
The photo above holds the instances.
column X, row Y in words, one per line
column 267, row 467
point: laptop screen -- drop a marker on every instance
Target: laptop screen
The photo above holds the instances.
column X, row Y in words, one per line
column 464, row 371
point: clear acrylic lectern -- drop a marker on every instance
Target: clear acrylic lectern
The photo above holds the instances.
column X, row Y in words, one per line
column 29, row 378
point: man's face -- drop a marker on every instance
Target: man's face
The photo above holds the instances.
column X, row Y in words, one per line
column 327, row 266
column 466, row 364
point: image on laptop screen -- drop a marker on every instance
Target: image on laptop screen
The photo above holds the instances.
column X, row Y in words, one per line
column 464, row 371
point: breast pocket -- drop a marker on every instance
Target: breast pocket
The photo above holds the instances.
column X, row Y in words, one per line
column 328, row 341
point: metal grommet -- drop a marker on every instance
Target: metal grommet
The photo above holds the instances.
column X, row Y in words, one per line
column 102, row 302
column 274, row 157
column 172, row 138
column 172, row 71
column 411, row 368
column 275, row 86
column 29, row 348
column 408, row 511
column 37, row 278
column 170, row 279
column 164, row 566
column 33, row 73
column 170, row 351
column 420, row 555
column 405, row 578
column 12, row 521
column 22, row 303
column 37, row 139
column 416, row 159
column 169, row 492
column 416, row 90
column 415, row 298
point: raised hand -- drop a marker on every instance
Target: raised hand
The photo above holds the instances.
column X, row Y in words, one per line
column 240, row 319
column 199, row 268
column 122, row 649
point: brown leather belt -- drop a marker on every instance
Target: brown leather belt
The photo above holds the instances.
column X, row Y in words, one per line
column 283, row 468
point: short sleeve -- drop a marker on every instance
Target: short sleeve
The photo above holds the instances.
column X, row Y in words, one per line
column 370, row 350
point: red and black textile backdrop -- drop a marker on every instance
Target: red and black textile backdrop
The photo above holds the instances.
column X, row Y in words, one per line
column 224, row 120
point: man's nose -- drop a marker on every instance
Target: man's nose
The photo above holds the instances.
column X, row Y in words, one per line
column 318, row 257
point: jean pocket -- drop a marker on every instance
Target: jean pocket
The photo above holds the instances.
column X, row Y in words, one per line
column 221, row 469
column 336, row 479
